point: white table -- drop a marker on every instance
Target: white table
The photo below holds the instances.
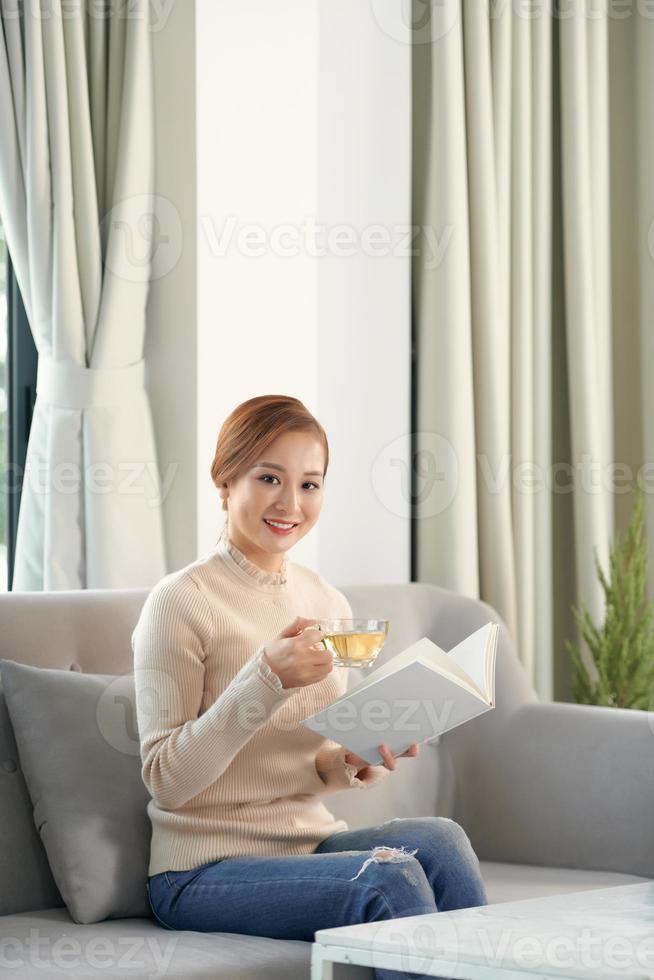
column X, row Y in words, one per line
column 599, row 934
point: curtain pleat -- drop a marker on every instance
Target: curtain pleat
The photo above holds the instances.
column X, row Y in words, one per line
column 442, row 297
column 490, row 331
column 543, row 568
column 587, row 278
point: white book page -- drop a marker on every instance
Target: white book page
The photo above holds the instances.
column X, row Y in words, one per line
column 428, row 652
column 473, row 655
column 490, row 665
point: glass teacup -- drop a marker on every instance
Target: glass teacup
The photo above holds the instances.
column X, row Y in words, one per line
column 353, row 642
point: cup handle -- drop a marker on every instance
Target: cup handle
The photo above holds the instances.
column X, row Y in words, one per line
column 316, row 627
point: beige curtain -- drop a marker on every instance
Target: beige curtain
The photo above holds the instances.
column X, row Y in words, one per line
column 513, row 325
column 77, row 205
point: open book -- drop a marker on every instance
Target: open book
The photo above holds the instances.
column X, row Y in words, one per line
column 417, row 695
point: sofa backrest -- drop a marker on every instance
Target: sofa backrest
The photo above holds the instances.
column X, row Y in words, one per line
column 91, row 631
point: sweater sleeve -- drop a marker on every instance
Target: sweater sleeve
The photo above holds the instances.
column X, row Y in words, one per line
column 183, row 752
column 335, row 772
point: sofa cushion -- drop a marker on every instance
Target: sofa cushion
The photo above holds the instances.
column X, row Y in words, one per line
column 142, row 950
column 507, row 882
column 79, row 753
column 27, row 881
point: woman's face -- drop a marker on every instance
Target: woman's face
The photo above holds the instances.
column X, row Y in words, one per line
column 288, row 488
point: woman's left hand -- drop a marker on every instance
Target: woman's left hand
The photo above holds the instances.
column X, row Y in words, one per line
column 390, row 761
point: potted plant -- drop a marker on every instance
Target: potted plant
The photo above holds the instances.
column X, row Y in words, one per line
column 622, row 647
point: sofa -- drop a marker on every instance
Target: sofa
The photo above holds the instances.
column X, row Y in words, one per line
column 555, row 797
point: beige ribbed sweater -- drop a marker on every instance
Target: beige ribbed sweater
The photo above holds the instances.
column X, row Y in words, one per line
column 229, row 768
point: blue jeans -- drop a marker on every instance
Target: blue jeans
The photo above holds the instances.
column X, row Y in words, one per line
column 351, row 877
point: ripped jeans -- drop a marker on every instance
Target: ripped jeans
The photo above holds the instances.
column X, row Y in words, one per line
column 406, row 866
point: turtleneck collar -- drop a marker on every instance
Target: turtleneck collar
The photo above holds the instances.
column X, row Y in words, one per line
column 247, row 570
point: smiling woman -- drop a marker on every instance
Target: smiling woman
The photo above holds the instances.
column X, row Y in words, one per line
column 279, row 497
column 227, row 664
column 269, row 467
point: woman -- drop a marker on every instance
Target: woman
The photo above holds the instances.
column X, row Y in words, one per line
column 227, row 664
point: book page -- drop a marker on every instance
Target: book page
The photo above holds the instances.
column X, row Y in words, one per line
column 490, row 665
column 473, row 654
column 413, row 704
column 428, row 652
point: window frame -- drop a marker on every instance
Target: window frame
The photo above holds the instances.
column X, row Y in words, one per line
column 22, row 361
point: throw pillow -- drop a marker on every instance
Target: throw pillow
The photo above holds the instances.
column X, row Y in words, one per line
column 78, row 747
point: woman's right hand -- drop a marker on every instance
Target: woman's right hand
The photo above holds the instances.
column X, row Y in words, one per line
column 297, row 656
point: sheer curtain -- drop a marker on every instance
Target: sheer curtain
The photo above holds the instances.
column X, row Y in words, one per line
column 77, row 204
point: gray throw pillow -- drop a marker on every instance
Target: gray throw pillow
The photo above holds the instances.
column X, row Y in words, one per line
column 78, row 748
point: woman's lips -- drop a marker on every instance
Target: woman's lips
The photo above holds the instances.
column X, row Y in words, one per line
column 279, row 530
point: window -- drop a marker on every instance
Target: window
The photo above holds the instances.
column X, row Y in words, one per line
column 18, row 363
column 4, row 448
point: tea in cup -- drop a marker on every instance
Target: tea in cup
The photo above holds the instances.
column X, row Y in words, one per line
column 353, row 642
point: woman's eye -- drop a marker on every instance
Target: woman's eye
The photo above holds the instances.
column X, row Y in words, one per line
column 269, row 476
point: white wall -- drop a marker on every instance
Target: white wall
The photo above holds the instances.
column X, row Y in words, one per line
column 256, row 166
column 302, row 122
column 364, row 325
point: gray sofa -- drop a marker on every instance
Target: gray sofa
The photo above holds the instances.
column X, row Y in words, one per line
column 554, row 797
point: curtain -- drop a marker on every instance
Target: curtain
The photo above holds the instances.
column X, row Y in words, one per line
column 77, row 205
column 512, row 324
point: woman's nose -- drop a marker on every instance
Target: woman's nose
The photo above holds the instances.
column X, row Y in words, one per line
column 287, row 502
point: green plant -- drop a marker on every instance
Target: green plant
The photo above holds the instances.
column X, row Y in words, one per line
column 622, row 648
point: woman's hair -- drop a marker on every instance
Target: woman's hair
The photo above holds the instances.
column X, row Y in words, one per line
column 252, row 426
